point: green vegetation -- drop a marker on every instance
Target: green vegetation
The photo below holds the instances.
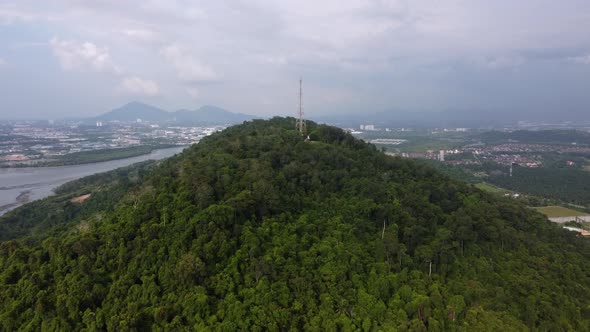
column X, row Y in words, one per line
column 552, row 185
column 38, row 219
column 419, row 140
column 423, row 144
column 560, row 160
column 256, row 229
column 566, row 185
column 451, row 171
column 562, row 177
column 558, row 211
column 95, row 156
column 583, row 225
column 491, row 188
column 88, row 157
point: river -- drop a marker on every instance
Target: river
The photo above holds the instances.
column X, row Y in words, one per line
column 21, row 185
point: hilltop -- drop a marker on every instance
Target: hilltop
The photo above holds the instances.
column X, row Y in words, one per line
column 257, row 228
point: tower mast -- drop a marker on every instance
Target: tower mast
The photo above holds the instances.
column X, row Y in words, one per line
column 300, row 124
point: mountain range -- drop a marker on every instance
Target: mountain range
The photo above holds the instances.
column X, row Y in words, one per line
column 132, row 111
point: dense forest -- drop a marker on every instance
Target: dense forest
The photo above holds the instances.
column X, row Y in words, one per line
column 568, row 185
column 57, row 212
column 551, row 181
column 258, row 228
column 452, row 171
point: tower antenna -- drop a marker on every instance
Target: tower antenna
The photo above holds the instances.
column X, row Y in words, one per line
column 300, row 124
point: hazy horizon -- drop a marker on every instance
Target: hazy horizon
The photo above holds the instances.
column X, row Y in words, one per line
column 70, row 58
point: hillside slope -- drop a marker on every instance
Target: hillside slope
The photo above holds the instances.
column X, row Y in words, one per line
column 211, row 115
column 134, row 110
column 256, row 229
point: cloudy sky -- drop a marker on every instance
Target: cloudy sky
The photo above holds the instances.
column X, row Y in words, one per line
column 75, row 57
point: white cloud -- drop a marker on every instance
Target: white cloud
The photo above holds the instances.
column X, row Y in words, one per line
column 356, row 49
column 188, row 68
column 275, row 60
column 182, row 10
column 144, row 35
column 10, row 14
column 74, row 55
column 584, row 59
column 3, row 62
column 138, row 86
column 501, row 62
column 193, row 92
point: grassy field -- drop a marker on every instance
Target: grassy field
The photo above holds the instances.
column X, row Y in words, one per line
column 558, row 211
column 423, row 144
column 491, row 188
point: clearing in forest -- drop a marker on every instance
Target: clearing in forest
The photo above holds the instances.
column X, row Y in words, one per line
column 559, row 211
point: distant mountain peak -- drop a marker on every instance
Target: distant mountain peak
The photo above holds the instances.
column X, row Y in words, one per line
column 137, row 103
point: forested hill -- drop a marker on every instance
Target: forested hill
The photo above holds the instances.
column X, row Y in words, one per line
column 256, row 229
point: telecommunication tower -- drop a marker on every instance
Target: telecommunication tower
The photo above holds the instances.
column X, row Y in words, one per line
column 300, row 124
